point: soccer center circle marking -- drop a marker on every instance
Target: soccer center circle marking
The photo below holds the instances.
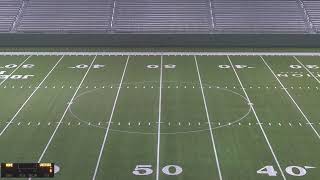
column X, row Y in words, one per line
column 166, row 82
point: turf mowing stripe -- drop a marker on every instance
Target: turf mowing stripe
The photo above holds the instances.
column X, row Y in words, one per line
column 16, row 69
column 208, row 118
column 36, row 89
column 294, row 102
column 307, row 69
column 159, row 121
column 66, row 110
column 109, row 122
column 257, row 118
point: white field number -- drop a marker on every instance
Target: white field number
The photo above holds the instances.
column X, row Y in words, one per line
column 3, row 76
column 237, row 66
column 291, row 170
column 166, row 66
column 25, row 66
column 295, row 66
column 145, row 170
column 84, row 66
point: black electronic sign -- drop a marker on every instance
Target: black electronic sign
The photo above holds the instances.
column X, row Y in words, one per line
column 27, row 170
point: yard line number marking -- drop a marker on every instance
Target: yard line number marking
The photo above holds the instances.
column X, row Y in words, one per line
column 145, row 170
column 16, row 69
column 297, row 171
column 307, row 68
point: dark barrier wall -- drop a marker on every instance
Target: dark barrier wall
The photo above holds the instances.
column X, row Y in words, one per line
column 159, row 40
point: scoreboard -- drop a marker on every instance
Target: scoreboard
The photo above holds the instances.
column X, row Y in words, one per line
column 27, row 170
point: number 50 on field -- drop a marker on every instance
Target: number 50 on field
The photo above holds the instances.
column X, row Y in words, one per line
column 145, row 170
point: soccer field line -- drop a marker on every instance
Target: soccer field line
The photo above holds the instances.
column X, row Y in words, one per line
column 16, row 69
column 258, row 120
column 289, row 95
column 208, row 119
column 163, row 53
column 65, row 112
column 31, row 95
column 110, row 119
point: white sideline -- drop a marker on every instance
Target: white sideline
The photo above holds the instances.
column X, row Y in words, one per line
column 16, row 69
column 294, row 102
column 159, row 120
column 36, row 89
column 163, row 53
column 110, row 120
column 208, row 118
column 65, row 112
column 258, row 120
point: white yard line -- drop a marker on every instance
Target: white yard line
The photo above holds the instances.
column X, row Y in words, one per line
column 163, row 53
column 109, row 122
column 16, row 69
column 36, row 89
column 258, row 120
column 307, row 69
column 65, row 112
column 159, row 120
column 209, row 122
column 294, row 102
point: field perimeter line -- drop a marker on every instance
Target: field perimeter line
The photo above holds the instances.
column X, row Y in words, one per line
column 208, row 118
column 16, row 69
column 109, row 122
column 36, row 89
column 294, row 102
column 163, row 53
column 258, row 120
column 65, row 112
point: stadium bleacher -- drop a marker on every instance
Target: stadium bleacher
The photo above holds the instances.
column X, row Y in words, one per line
column 313, row 9
column 66, row 16
column 160, row 16
column 8, row 12
column 258, row 16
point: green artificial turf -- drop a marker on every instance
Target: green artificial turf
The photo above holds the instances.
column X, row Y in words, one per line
column 263, row 113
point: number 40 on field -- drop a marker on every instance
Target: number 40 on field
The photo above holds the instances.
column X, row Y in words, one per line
column 291, row 170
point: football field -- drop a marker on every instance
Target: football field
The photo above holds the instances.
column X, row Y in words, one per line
column 163, row 117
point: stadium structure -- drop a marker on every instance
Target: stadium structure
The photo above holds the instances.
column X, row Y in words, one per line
column 160, row 89
column 127, row 22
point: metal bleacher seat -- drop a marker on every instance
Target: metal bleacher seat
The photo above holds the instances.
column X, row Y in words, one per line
column 66, row 16
column 258, row 16
column 313, row 9
column 8, row 12
column 162, row 16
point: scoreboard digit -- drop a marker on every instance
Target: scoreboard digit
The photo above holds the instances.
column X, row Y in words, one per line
column 27, row 170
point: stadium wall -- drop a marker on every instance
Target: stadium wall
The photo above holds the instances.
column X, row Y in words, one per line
column 159, row 40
